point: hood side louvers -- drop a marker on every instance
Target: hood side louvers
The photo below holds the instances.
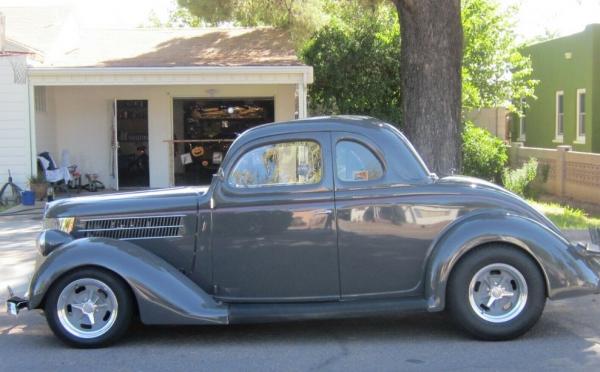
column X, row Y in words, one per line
column 132, row 228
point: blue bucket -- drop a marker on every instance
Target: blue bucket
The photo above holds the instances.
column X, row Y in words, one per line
column 28, row 198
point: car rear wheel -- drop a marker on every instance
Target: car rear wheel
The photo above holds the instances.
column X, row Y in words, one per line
column 496, row 292
column 89, row 308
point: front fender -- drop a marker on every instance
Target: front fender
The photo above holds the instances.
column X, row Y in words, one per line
column 164, row 295
column 567, row 273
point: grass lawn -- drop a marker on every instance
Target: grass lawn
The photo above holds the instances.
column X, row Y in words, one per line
column 566, row 217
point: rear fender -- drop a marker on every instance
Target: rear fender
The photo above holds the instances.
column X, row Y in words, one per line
column 566, row 272
column 164, row 295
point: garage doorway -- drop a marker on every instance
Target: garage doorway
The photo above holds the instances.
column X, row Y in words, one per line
column 132, row 143
column 203, row 130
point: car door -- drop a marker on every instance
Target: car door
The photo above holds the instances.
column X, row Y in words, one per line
column 274, row 235
column 382, row 245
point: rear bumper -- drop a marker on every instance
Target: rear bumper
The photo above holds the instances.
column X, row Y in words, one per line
column 586, row 249
column 588, row 267
column 16, row 304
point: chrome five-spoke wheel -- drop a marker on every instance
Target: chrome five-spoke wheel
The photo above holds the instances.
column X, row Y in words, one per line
column 87, row 308
column 498, row 293
column 90, row 307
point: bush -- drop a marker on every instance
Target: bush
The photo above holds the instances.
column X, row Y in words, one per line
column 484, row 155
column 356, row 65
column 519, row 180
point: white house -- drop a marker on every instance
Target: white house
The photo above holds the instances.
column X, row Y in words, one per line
column 102, row 93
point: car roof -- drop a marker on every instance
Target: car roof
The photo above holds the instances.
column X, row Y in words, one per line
column 341, row 123
column 385, row 136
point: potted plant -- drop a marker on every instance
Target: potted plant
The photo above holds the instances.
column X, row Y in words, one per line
column 38, row 185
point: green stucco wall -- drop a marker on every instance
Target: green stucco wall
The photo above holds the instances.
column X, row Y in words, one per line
column 556, row 72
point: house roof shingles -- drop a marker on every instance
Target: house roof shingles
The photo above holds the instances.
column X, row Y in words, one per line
column 179, row 47
column 64, row 43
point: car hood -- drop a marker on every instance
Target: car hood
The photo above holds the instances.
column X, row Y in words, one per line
column 504, row 196
column 158, row 201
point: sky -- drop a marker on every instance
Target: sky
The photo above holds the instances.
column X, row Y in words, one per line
column 560, row 17
column 534, row 18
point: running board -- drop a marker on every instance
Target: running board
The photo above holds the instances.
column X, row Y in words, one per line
column 281, row 312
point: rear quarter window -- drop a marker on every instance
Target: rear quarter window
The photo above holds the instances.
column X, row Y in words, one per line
column 356, row 163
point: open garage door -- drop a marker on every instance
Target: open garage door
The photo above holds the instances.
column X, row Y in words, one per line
column 203, row 130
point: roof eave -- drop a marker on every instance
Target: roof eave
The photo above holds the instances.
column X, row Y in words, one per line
column 297, row 74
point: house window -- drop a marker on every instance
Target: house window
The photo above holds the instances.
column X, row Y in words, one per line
column 39, row 96
column 581, row 115
column 522, row 120
column 560, row 116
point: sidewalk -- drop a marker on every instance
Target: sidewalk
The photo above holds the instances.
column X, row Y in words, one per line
column 17, row 249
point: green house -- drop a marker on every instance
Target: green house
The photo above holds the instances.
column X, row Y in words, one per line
column 567, row 108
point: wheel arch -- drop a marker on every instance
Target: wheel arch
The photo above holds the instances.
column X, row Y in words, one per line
column 42, row 300
column 163, row 295
column 564, row 274
column 509, row 245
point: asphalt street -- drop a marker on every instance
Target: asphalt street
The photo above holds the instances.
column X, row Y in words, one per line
column 566, row 338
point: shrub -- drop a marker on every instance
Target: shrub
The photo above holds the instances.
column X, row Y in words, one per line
column 484, row 155
column 356, row 65
column 519, row 180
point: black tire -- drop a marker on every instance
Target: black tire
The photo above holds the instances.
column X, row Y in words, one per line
column 123, row 318
column 460, row 306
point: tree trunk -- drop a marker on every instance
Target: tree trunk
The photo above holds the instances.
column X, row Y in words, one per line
column 431, row 56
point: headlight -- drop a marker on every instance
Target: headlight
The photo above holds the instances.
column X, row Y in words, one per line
column 64, row 224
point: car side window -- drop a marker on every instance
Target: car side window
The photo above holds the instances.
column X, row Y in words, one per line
column 279, row 164
column 355, row 162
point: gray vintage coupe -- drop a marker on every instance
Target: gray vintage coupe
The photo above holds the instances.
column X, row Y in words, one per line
column 318, row 218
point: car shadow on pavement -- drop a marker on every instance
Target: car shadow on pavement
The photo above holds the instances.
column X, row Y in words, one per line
column 412, row 326
column 421, row 341
column 417, row 327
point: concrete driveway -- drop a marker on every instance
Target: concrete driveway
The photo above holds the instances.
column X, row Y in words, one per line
column 566, row 338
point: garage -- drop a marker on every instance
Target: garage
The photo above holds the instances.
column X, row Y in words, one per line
column 158, row 109
column 203, row 130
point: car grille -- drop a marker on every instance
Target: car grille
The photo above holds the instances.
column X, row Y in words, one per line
column 131, row 228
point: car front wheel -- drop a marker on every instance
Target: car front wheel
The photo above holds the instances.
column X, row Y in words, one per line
column 89, row 308
column 496, row 292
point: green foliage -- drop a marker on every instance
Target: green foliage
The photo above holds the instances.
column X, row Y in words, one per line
column 519, row 180
column 566, row 217
column 494, row 72
column 354, row 48
column 301, row 17
column 37, row 179
column 356, row 65
column 179, row 17
column 484, row 155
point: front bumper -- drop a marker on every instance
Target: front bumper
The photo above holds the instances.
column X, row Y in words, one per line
column 16, row 304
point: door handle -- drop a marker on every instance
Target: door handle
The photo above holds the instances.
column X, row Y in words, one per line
column 324, row 211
